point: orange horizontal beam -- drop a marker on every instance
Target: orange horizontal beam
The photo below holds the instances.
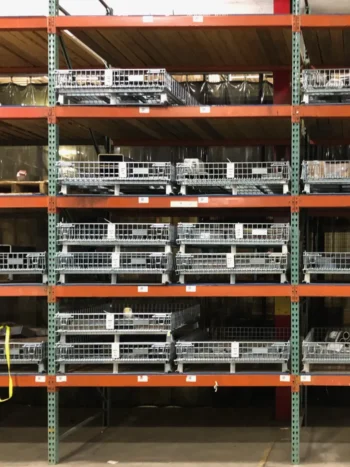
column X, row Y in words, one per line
column 224, row 21
column 325, row 21
column 23, row 201
column 22, row 381
column 327, row 380
column 323, row 111
column 324, row 290
column 209, row 142
column 15, row 290
column 151, row 291
column 172, row 380
column 324, row 201
column 24, row 23
column 22, row 113
column 236, row 111
column 183, row 202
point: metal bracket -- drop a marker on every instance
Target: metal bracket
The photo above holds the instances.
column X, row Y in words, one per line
column 51, row 116
column 294, row 204
column 51, row 294
column 295, row 383
column 296, row 23
column 295, row 114
column 51, row 384
column 52, row 205
column 295, row 294
column 51, row 25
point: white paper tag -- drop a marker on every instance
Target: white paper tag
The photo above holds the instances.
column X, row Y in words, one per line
column 122, row 170
column 144, row 110
column 147, row 19
column 61, row 379
column 203, row 200
column 305, row 378
column 136, row 78
column 115, row 351
column 108, row 78
column 142, row 379
column 239, row 231
column 115, row 260
column 235, row 349
column 142, row 288
column 40, row 379
column 143, row 200
column 262, row 232
column 230, row 170
column 111, row 231
column 285, row 378
column 259, row 171
column 197, row 19
column 230, row 260
column 191, row 288
column 183, row 204
column 204, row 109
column 109, row 321
column 191, row 379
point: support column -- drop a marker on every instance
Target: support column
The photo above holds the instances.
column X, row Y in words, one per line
column 295, row 266
column 53, row 142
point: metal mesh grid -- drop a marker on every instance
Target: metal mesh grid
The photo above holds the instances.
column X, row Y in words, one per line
column 115, row 234
column 218, row 263
column 129, row 86
column 332, row 263
column 325, row 172
column 326, row 81
column 102, row 262
column 96, row 352
column 24, row 352
column 195, row 172
column 325, row 345
column 28, row 263
column 230, row 234
column 251, row 333
column 131, row 321
column 95, row 173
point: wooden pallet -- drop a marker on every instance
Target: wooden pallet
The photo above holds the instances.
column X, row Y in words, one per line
column 14, row 187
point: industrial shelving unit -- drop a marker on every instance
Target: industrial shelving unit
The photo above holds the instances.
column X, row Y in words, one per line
column 286, row 116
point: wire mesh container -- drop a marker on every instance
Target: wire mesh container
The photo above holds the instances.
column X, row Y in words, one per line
column 23, row 263
column 25, row 353
column 323, row 263
column 238, row 345
column 108, row 233
column 325, row 172
column 232, row 234
column 106, row 263
column 121, row 86
column 132, row 319
column 326, row 346
column 330, row 82
column 95, row 173
column 195, row 172
column 231, row 263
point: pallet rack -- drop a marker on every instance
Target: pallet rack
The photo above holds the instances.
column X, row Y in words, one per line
column 285, row 115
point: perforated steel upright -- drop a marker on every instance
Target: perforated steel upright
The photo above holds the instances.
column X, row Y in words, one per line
column 295, row 227
column 53, row 144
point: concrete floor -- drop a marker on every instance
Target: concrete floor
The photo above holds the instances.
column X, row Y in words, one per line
column 178, row 438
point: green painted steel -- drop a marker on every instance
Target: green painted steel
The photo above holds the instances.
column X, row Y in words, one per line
column 295, row 229
column 53, row 144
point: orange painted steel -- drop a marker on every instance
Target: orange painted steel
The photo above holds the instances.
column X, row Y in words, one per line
column 172, row 202
column 323, row 111
column 324, row 201
column 325, row 21
column 324, row 290
column 22, row 381
column 14, row 290
column 172, row 380
column 151, row 291
column 237, row 111
column 22, row 113
column 327, row 380
column 23, row 202
column 23, row 23
column 224, row 21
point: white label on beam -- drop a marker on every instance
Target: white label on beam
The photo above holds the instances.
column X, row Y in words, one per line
column 144, row 110
column 285, row 378
column 142, row 379
column 204, row 109
column 142, row 288
column 203, row 200
column 143, row 200
column 61, row 379
column 40, row 379
column 183, row 204
column 191, row 379
column 191, row 288
column 305, row 378
column 197, row 19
